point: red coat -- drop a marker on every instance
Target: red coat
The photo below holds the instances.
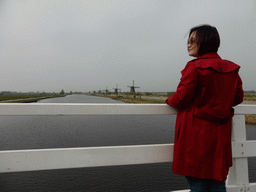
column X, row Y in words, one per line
column 208, row 89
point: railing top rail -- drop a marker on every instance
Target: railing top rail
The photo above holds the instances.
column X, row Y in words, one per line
column 99, row 109
column 85, row 109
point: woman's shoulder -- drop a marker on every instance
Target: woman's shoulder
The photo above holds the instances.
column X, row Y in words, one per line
column 218, row 64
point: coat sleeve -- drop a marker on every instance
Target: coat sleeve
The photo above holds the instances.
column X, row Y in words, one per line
column 239, row 93
column 186, row 88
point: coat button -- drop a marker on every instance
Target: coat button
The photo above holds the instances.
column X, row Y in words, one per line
column 220, row 69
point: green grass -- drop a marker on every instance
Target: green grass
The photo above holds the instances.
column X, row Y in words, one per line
column 250, row 97
column 130, row 99
column 26, row 98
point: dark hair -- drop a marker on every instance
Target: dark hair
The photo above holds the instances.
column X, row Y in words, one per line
column 207, row 38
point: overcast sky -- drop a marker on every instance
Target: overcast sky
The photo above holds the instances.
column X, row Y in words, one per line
column 87, row 45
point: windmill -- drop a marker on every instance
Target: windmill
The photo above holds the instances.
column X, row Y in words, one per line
column 132, row 88
column 106, row 90
column 116, row 89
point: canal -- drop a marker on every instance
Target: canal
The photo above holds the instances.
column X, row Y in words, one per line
column 39, row 132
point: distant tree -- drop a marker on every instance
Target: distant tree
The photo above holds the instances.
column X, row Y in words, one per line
column 62, row 92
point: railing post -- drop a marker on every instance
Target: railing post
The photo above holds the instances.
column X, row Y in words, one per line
column 238, row 173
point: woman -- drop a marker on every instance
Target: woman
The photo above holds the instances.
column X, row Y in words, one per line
column 208, row 89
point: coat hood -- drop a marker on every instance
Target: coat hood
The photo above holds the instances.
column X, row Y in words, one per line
column 214, row 61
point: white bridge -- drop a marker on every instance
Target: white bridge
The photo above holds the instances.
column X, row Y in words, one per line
column 43, row 159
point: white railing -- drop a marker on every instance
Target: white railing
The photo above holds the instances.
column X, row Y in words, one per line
column 43, row 159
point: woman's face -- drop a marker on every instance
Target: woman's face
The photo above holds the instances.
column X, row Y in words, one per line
column 193, row 47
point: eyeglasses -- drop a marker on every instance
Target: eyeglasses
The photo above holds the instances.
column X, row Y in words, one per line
column 191, row 40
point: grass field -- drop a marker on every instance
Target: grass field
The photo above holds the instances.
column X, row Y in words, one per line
column 26, row 98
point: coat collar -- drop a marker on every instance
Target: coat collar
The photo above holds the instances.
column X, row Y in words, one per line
column 214, row 61
column 211, row 55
